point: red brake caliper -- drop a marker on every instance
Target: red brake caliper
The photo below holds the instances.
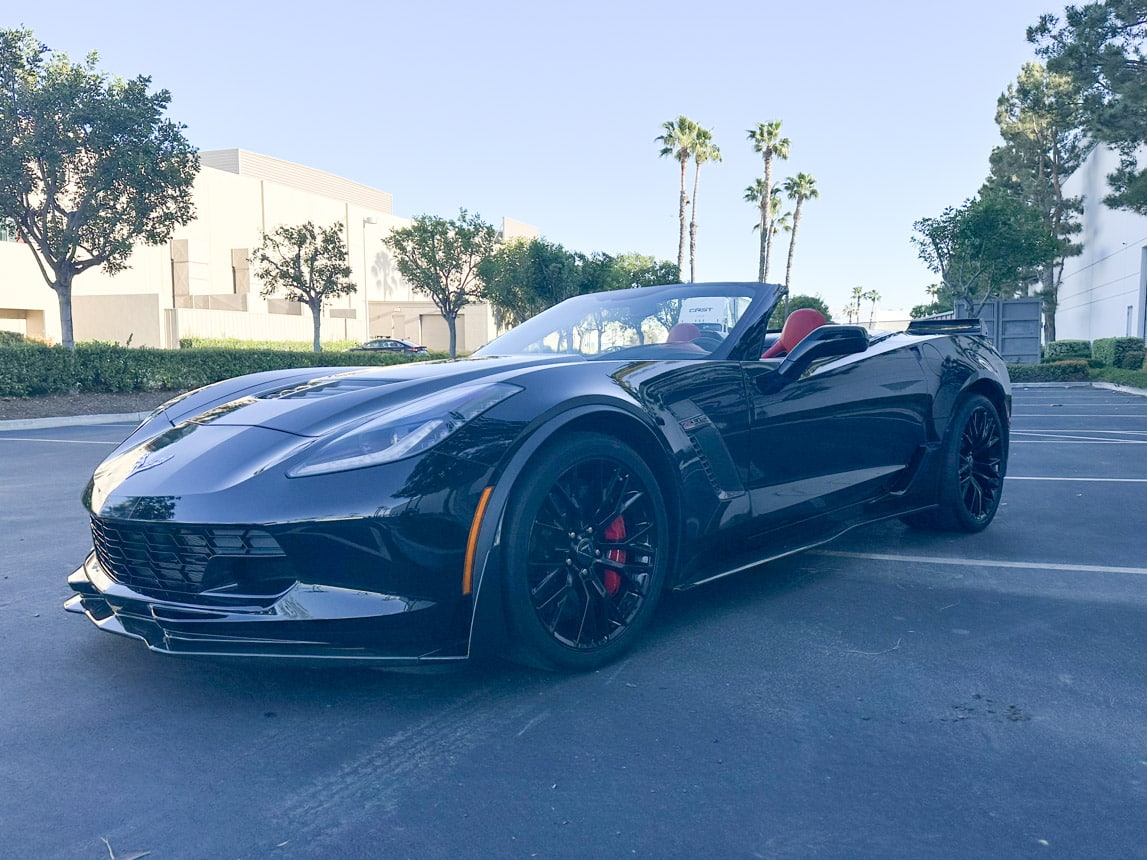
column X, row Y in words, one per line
column 612, row 579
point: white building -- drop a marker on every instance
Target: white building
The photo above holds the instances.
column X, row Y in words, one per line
column 199, row 283
column 1104, row 290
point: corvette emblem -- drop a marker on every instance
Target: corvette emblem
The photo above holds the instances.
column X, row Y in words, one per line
column 149, row 461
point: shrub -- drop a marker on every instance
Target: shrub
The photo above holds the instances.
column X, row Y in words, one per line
column 1072, row 370
column 36, row 369
column 287, row 345
column 12, row 338
column 1120, row 376
column 1061, row 350
column 1122, row 352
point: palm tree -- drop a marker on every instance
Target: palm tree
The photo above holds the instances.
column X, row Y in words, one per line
column 771, row 221
column 777, row 223
column 767, row 140
column 872, row 296
column 677, row 142
column 854, row 309
column 703, row 150
column 799, row 188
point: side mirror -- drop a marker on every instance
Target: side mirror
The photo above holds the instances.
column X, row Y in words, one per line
column 828, row 341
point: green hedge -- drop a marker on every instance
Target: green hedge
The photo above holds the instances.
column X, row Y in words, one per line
column 36, row 369
column 1120, row 376
column 1123, row 352
column 1073, row 370
column 278, row 345
column 1061, row 350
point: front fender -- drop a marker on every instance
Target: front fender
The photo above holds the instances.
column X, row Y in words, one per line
column 488, row 632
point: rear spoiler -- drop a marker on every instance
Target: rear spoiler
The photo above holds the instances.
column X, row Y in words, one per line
column 954, row 326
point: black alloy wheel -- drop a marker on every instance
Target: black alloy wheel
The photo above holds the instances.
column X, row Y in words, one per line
column 981, row 464
column 587, row 552
column 974, row 462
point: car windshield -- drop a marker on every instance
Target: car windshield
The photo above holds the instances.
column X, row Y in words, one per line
column 678, row 321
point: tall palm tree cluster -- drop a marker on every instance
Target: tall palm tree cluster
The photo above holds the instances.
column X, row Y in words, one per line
column 686, row 141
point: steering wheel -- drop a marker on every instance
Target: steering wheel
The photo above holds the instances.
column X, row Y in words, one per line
column 708, row 340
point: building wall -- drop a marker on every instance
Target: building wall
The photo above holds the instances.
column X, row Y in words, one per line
column 200, row 283
column 1102, row 293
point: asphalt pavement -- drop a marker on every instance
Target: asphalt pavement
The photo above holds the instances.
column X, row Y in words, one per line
column 894, row 694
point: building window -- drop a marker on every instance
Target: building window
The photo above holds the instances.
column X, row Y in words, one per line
column 8, row 231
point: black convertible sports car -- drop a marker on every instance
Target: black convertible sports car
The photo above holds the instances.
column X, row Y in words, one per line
column 535, row 499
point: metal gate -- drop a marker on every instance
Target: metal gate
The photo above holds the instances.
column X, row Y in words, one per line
column 1012, row 325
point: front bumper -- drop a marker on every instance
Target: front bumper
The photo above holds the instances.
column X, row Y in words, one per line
column 305, row 621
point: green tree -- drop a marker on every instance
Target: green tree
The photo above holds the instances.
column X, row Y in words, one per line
column 307, row 264
column 88, row 165
column 766, row 139
column 792, row 303
column 990, row 247
column 1039, row 120
column 677, row 142
column 1100, row 47
column 799, row 188
column 703, row 150
column 525, row 277
column 638, row 270
column 939, row 302
column 440, row 258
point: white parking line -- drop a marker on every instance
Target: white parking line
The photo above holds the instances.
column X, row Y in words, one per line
column 981, row 562
column 1067, row 441
column 1043, row 431
column 1100, row 480
column 1076, row 415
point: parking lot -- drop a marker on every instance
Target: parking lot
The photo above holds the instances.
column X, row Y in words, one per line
column 894, row 694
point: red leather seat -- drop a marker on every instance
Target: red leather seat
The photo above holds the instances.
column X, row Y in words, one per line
column 798, row 324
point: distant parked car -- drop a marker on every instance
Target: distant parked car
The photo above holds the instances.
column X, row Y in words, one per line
column 390, row 344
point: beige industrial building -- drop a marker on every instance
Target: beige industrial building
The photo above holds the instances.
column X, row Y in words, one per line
column 200, row 285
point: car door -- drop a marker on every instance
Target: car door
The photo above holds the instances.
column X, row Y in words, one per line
column 843, row 432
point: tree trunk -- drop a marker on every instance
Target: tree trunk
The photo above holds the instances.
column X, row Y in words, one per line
column 681, row 217
column 764, row 240
column 316, row 319
column 451, row 323
column 1049, row 302
column 693, row 226
column 63, row 288
column 767, row 216
column 793, row 241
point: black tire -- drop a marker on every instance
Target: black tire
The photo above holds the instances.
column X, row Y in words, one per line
column 586, row 548
column 973, row 464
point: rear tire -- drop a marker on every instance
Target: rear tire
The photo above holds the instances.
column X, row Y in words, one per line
column 973, row 464
column 587, row 548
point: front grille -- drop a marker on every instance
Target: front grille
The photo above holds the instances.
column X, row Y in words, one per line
column 182, row 559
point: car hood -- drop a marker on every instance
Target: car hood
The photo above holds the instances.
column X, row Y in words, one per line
column 313, row 403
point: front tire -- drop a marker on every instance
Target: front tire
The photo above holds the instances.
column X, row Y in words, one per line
column 587, row 548
column 973, row 465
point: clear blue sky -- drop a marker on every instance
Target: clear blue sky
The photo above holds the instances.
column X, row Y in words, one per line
column 547, row 112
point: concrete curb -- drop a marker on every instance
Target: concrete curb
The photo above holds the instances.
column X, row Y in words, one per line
column 72, row 421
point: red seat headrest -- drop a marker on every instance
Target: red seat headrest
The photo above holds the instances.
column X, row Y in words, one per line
column 798, row 324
